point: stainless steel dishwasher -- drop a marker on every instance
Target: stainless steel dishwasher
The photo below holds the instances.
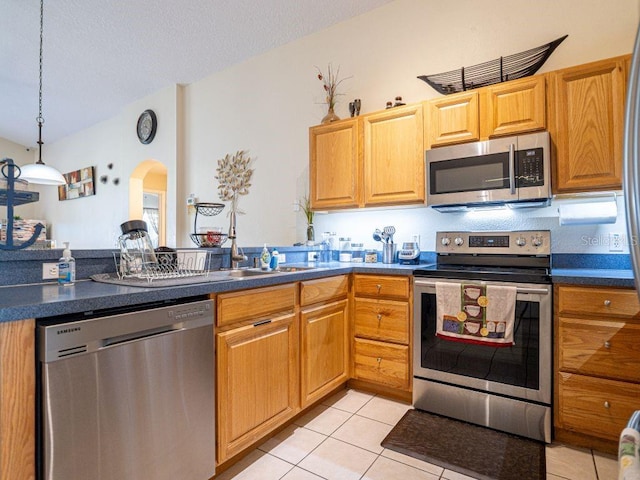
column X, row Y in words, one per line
column 128, row 395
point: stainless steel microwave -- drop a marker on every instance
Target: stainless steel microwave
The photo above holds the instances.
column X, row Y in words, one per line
column 513, row 171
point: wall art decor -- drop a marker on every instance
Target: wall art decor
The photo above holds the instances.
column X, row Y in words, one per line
column 79, row 184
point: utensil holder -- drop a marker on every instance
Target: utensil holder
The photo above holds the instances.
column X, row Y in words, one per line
column 388, row 253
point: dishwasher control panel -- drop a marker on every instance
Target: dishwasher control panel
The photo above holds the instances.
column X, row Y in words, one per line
column 60, row 340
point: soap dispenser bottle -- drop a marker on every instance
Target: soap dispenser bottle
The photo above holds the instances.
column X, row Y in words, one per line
column 265, row 258
column 66, row 267
column 274, row 259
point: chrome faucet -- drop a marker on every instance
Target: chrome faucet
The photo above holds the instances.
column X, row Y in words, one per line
column 235, row 257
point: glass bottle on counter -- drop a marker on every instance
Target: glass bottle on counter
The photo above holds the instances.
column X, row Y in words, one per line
column 345, row 249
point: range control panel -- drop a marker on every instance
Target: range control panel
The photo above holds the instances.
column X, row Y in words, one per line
column 524, row 242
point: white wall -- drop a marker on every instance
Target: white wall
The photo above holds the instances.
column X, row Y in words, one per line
column 266, row 105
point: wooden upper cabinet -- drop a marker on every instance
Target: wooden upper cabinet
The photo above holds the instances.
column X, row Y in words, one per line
column 513, row 107
column 586, row 124
column 452, row 119
column 393, row 150
column 335, row 164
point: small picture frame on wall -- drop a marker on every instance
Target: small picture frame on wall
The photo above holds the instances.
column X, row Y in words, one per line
column 80, row 183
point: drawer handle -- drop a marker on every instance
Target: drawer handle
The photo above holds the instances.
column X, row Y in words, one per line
column 607, row 303
column 607, row 344
column 606, row 405
column 379, row 287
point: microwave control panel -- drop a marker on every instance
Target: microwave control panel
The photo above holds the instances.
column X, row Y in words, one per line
column 530, row 167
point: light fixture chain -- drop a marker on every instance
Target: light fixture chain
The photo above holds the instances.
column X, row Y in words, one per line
column 40, row 119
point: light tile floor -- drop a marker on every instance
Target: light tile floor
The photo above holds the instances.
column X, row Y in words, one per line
column 340, row 440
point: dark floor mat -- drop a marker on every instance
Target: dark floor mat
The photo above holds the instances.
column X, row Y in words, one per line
column 465, row 448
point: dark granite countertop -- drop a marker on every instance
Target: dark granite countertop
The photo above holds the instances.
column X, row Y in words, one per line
column 605, row 277
column 49, row 299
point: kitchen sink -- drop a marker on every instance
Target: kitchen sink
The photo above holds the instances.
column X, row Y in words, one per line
column 255, row 272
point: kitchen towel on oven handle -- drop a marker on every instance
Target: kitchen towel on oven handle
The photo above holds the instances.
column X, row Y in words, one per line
column 473, row 313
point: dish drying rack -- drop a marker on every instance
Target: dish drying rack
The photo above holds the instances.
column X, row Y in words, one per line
column 209, row 239
column 161, row 265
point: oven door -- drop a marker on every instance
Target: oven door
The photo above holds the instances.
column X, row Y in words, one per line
column 521, row 371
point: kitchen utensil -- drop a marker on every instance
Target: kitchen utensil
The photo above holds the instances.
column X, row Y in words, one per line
column 390, row 231
column 376, row 235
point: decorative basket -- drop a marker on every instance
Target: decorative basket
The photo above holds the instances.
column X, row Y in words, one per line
column 502, row 69
column 209, row 239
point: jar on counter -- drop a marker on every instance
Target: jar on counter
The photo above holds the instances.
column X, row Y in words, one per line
column 357, row 252
column 345, row 249
column 371, row 256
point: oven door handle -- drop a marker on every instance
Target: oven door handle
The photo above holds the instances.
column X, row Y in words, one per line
column 530, row 291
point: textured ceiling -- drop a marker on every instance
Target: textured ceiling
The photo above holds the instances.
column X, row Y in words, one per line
column 100, row 55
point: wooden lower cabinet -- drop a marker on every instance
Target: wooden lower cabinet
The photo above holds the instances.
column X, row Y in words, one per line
column 382, row 362
column 325, row 350
column 257, row 390
column 597, row 364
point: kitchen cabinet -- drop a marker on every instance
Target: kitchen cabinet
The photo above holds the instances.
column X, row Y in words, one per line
column 335, row 164
column 17, row 400
column 257, row 365
column 394, row 156
column 597, row 384
column 513, row 107
column 324, row 320
column 381, row 325
column 507, row 108
column 586, row 105
column 452, row 119
column 373, row 160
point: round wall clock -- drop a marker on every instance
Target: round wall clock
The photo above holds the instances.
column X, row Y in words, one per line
column 147, row 124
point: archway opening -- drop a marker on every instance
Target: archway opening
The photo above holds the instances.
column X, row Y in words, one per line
column 147, row 198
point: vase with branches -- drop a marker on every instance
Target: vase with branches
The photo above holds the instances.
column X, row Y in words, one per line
column 305, row 204
column 330, row 83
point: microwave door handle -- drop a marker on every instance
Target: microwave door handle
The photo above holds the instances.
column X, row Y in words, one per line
column 512, row 168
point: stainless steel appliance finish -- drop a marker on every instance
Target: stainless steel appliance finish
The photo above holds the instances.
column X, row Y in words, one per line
column 506, row 388
column 632, row 161
column 510, row 170
column 129, row 396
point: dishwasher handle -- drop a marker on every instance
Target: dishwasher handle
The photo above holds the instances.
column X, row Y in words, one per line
column 131, row 337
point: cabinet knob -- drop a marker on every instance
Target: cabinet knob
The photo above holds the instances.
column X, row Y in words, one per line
column 606, row 405
column 379, row 359
column 379, row 287
column 607, row 344
column 379, row 316
column 607, row 303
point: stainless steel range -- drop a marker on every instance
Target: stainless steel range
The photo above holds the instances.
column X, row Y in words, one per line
column 505, row 386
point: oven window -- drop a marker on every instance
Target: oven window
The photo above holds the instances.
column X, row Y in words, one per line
column 488, row 172
column 517, row 365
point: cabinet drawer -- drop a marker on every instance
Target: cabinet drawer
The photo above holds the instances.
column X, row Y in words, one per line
column 595, row 406
column 254, row 304
column 323, row 289
column 383, row 363
column 386, row 320
column 381, row 286
column 612, row 302
column 603, row 348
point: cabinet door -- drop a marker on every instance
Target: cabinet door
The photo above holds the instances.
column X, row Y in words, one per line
column 513, row 107
column 325, row 350
column 257, row 374
column 335, row 165
column 452, row 119
column 587, row 125
column 394, row 156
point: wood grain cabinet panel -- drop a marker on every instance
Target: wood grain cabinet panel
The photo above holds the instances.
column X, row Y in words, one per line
column 596, row 406
column 249, row 305
column 335, row 165
column 386, row 320
column 325, row 350
column 394, row 156
column 513, row 107
column 607, row 302
column 587, row 123
column 257, row 381
column 381, row 286
column 452, row 119
column 382, row 362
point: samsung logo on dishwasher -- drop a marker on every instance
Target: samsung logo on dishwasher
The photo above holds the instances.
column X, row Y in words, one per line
column 68, row 330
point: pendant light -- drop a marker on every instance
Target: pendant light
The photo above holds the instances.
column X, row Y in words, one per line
column 38, row 172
